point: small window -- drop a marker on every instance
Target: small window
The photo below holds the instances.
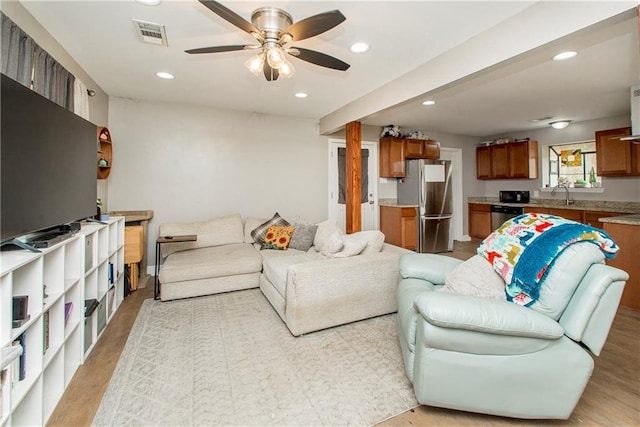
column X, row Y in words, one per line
column 574, row 165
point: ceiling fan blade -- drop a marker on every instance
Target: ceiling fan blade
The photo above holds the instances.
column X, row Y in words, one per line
column 318, row 58
column 314, row 25
column 271, row 74
column 230, row 16
column 216, row 49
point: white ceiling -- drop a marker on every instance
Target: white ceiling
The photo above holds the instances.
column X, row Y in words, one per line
column 100, row 36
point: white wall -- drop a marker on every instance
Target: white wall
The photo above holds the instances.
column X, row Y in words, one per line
column 98, row 104
column 615, row 188
column 191, row 163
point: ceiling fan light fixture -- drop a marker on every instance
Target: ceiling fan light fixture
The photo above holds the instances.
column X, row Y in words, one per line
column 287, row 70
column 276, row 57
column 560, row 124
column 255, row 64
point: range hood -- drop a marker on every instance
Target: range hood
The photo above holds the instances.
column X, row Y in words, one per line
column 635, row 116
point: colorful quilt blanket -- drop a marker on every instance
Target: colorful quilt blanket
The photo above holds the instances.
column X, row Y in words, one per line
column 524, row 249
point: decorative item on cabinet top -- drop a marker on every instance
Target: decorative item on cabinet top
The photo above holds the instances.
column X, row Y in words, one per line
column 105, row 152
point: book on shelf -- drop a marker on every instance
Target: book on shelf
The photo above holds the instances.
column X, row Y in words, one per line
column 90, row 306
column 20, row 364
column 112, row 297
column 45, row 321
column 68, row 306
column 111, row 273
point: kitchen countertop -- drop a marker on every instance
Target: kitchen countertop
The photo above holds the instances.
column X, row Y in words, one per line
column 623, row 219
column 579, row 205
column 393, row 203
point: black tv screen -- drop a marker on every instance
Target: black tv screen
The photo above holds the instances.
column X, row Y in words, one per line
column 48, row 163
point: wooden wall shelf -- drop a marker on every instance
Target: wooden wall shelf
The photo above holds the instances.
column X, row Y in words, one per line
column 105, row 152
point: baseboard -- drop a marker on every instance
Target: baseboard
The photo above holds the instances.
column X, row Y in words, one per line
column 464, row 238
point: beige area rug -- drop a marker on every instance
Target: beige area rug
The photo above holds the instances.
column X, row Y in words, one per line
column 228, row 359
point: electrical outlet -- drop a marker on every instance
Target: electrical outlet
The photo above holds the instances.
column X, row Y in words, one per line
column 536, row 193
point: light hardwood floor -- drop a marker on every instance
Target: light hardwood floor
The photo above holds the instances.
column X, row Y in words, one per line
column 612, row 397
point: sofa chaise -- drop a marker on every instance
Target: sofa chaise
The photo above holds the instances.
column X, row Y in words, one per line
column 330, row 280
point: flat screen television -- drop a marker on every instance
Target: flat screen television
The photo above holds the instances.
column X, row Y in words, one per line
column 48, row 166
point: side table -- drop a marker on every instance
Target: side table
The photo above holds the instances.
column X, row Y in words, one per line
column 167, row 239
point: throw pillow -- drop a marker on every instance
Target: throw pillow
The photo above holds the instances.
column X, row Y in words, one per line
column 475, row 277
column 303, row 236
column 277, row 238
column 353, row 245
column 374, row 239
column 324, row 241
column 260, row 231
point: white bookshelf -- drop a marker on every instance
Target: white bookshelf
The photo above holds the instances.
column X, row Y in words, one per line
column 56, row 276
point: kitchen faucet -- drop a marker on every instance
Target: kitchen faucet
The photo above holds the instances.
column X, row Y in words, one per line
column 569, row 201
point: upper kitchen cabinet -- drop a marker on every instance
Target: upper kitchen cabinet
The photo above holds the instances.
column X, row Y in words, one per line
column 616, row 157
column 394, row 151
column 514, row 160
column 391, row 157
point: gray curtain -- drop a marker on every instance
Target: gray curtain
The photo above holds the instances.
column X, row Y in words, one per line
column 342, row 171
column 52, row 80
column 17, row 52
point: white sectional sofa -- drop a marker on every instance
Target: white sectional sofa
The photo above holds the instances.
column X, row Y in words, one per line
column 340, row 279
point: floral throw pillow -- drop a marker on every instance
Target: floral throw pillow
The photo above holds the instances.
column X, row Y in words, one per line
column 260, row 231
column 277, row 238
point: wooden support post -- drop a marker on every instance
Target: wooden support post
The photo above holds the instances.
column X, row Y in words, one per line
column 353, row 177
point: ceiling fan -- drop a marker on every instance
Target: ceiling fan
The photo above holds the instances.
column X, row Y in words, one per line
column 273, row 29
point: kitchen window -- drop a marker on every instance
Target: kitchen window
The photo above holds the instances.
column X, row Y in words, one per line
column 574, row 165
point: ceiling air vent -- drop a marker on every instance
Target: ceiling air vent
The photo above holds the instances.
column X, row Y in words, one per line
column 150, row 32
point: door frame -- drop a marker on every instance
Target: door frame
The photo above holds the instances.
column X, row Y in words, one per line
column 332, row 176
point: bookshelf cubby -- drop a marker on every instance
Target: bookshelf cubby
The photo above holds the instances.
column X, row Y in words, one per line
column 56, row 335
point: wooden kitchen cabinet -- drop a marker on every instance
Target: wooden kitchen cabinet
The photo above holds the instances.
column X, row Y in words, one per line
column 400, row 226
column 499, row 161
column 572, row 214
column 514, row 160
column 483, row 162
column 616, row 157
column 394, row 151
column 592, row 218
column 421, row 149
column 627, row 237
column 392, row 157
column 586, row 217
column 479, row 220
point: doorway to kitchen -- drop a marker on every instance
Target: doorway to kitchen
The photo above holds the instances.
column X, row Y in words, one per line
column 369, row 205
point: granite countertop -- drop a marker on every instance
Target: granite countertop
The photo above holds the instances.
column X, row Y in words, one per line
column 579, row 205
column 393, row 203
column 624, row 219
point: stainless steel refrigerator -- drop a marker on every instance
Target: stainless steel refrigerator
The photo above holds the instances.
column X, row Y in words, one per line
column 427, row 184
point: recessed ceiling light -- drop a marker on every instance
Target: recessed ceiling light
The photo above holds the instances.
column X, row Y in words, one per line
column 565, row 55
column 163, row 75
column 428, row 102
column 359, row 47
column 301, row 95
column 149, row 2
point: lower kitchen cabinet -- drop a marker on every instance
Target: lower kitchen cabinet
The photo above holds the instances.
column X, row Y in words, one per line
column 628, row 239
column 479, row 220
column 400, row 226
column 572, row 214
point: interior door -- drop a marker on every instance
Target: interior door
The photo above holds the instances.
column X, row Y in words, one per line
column 369, row 202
